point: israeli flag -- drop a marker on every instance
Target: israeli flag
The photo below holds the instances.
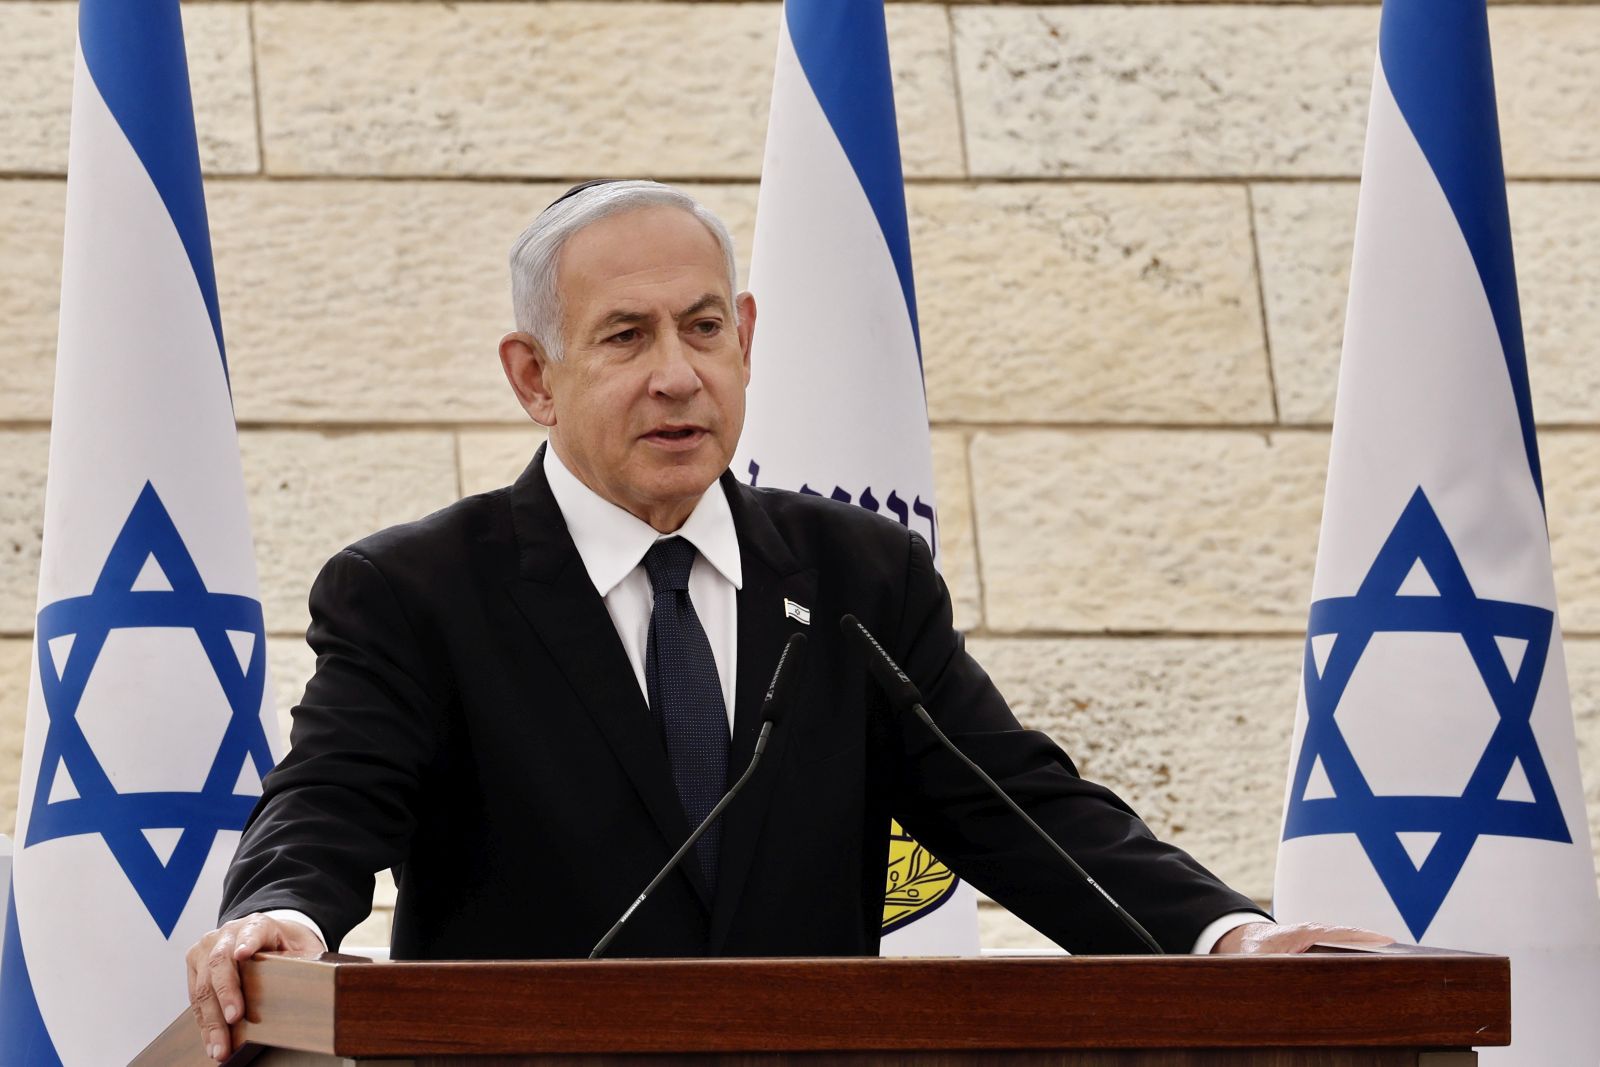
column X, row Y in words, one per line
column 149, row 718
column 836, row 404
column 1434, row 788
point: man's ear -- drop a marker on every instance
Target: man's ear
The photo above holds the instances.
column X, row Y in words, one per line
column 526, row 366
column 747, row 327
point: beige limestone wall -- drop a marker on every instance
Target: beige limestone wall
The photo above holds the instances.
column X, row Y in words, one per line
column 1131, row 226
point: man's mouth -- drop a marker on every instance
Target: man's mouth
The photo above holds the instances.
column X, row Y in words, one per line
column 675, row 435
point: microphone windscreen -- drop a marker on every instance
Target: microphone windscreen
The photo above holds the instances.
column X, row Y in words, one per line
column 780, row 690
column 900, row 690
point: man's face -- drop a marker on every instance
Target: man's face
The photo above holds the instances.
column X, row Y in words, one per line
column 647, row 403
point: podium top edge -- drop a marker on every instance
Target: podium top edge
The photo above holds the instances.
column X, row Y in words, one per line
column 1331, row 954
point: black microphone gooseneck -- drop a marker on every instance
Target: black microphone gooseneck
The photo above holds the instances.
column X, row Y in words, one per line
column 773, row 706
column 903, row 696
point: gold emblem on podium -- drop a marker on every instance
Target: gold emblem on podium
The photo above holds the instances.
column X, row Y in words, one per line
column 917, row 883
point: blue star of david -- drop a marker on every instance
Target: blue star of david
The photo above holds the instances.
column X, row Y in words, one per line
column 98, row 808
column 1377, row 821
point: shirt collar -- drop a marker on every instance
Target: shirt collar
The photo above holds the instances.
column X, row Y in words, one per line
column 611, row 541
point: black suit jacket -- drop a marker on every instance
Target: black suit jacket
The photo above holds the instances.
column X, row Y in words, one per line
column 474, row 723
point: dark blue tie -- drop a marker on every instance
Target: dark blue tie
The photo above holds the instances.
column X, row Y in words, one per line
column 686, row 695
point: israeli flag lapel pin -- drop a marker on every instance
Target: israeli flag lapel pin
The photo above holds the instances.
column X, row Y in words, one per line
column 798, row 612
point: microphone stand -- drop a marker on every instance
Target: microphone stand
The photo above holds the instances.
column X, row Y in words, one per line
column 711, row 817
column 779, row 695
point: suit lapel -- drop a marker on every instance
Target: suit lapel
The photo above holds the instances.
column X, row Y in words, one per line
column 553, row 592
column 771, row 575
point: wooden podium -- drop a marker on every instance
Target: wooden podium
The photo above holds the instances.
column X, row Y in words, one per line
column 1337, row 1009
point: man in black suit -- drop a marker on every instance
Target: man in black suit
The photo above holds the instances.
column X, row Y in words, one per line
column 523, row 702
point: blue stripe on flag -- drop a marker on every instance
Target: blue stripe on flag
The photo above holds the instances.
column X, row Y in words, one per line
column 1435, row 56
column 843, row 47
column 134, row 51
column 23, row 1037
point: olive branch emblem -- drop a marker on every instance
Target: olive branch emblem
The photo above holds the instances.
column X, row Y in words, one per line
column 917, row 881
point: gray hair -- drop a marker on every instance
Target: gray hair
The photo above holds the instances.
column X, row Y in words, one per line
column 535, row 255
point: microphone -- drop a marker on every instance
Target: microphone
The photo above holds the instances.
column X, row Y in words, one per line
column 773, row 705
column 904, row 696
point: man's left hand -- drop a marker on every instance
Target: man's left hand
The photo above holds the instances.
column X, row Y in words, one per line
column 1276, row 937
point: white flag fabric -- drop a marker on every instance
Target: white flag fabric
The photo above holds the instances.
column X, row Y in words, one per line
column 1434, row 787
column 149, row 720
column 836, row 403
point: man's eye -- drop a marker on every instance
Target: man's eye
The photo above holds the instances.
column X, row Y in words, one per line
column 626, row 337
column 708, row 327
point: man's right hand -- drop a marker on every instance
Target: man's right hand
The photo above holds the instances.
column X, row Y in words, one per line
column 214, row 991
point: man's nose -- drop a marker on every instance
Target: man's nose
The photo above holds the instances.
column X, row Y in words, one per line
column 674, row 374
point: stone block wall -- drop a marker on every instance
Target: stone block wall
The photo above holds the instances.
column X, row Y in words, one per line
column 1131, row 224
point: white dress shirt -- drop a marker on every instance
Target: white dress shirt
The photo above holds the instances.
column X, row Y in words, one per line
column 612, row 543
